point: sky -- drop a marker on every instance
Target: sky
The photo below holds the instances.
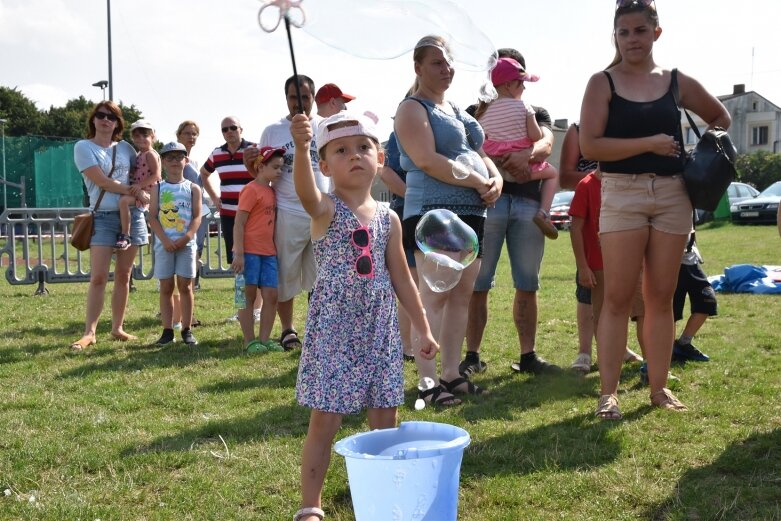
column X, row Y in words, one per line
column 207, row 59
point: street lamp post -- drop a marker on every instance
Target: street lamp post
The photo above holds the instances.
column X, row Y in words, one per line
column 102, row 84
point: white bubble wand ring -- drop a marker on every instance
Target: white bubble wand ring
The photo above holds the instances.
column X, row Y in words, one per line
column 283, row 9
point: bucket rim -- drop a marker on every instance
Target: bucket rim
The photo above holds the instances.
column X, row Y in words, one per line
column 461, row 441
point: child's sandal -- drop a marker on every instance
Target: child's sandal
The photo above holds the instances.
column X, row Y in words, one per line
column 543, row 222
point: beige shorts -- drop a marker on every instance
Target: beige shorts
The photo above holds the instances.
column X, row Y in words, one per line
column 295, row 256
column 634, row 201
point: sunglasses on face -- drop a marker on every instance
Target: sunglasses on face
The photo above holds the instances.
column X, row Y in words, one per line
column 173, row 157
column 106, row 115
column 622, row 4
column 364, row 265
column 229, row 127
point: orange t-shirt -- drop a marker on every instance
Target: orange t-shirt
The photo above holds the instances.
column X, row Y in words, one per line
column 260, row 203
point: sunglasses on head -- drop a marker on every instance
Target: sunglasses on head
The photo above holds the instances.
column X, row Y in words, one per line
column 105, row 115
column 229, row 127
column 364, row 265
column 623, row 4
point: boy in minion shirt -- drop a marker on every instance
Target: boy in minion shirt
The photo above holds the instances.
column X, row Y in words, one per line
column 174, row 217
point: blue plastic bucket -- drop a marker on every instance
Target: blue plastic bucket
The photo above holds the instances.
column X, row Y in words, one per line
column 407, row 473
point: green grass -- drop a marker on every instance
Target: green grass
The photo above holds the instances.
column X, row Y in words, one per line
column 132, row 432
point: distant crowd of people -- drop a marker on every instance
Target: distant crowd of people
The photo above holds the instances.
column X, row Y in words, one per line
column 297, row 215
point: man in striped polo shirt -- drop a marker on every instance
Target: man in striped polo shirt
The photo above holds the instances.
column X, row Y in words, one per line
column 228, row 161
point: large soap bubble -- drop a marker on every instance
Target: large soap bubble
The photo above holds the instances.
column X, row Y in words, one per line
column 387, row 29
column 440, row 271
column 448, row 245
column 465, row 164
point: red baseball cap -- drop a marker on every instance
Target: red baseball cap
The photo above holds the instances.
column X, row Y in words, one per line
column 267, row 153
column 330, row 91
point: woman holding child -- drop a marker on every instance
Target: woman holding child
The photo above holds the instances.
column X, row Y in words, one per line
column 105, row 162
column 431, row 133
column 630, row 123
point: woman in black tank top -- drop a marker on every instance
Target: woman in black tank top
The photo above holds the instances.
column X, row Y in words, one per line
column 630, row 123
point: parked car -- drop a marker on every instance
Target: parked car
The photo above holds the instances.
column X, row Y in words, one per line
column 761, row 209
column 559, row 209
column 736, row 192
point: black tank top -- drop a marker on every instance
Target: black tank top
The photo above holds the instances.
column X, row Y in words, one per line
column 633, row 119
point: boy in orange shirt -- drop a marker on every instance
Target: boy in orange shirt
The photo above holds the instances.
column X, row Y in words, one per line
column 254, row 252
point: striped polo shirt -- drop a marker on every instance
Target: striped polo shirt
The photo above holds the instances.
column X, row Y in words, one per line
column 233, row 175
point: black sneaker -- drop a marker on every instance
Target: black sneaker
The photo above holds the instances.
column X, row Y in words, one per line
column 166, row 338
column 188, row 337
column 536, row 365
column 467, row 368
column 687, row 352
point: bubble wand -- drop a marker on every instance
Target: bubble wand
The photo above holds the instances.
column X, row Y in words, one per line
column 281, row 9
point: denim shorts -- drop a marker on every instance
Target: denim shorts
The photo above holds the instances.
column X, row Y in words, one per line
column 260, row 270
column 511, row 220
column 107, row 228
column 180, row 262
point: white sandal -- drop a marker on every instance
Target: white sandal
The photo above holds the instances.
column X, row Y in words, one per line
column 582, row 363
column 309, row 511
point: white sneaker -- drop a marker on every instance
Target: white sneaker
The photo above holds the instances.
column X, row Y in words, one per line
column 234, row 318
column 256, row 315
column 582, row 363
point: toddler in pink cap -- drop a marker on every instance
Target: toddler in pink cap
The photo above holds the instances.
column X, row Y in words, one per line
column 510, row 126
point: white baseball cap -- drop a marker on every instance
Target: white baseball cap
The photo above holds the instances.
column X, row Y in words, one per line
column 344, row 124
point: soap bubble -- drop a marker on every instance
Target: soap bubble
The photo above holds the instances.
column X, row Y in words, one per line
column 387, row 29
column 465, row 163
column 440, row 272
column 441, row 231
column 448, row 245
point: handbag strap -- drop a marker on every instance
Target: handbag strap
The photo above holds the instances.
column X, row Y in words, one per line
column 110, row 173
column 674, row 88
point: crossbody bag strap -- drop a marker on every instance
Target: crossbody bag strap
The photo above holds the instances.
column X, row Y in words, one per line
column 110, row 173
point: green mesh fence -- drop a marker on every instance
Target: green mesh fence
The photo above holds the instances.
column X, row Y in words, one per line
column 51, row 178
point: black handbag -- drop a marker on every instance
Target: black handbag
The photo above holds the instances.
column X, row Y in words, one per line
column 709, row 166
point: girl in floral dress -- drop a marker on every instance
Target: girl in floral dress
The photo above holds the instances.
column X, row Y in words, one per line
column 352, row 357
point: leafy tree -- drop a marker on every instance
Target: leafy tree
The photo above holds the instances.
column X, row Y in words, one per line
column 22, row 116
column 68, row 121
column 760, row 169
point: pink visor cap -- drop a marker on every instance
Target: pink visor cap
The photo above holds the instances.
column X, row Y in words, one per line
column 507, row 69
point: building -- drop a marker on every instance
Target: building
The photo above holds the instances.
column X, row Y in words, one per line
column 756, row 122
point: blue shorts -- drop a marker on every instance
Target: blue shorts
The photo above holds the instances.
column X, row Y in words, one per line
column 107, row 228
column 180, row 262
column 260, row 270
column 511, row 220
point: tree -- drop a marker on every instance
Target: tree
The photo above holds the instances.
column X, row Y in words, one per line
column 68, row 121
column 760, row 169
column 23, row 117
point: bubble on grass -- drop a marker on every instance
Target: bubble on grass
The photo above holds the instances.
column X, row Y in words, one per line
column 465, row 164
column 387, row 29
column 424, row 384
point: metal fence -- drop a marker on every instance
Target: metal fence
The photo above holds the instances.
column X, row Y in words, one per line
column 36, row 249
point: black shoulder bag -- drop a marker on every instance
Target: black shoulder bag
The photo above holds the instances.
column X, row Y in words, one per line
column 710, row 166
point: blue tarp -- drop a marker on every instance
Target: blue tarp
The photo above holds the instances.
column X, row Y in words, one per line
column 747, row 278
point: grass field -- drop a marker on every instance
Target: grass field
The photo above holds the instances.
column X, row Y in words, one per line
column 134, row 432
